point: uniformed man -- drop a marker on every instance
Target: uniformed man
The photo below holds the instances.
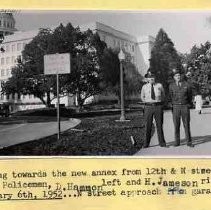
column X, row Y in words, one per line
column 181, row 97
column 152, row 94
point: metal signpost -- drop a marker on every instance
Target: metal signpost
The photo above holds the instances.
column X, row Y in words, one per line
column 57, row 64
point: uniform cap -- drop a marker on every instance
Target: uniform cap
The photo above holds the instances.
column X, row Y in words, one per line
column 175, row 71
column 149, row 75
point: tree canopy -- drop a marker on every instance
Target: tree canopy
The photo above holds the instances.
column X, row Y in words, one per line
column 94, row 67
column 198, row 63
column 84, row 47
column 164, row 57
column 110, row 73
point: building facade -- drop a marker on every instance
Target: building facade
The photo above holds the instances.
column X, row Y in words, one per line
column 7, row 23
column 13, row 46
column 14, row 41
column 138, row 47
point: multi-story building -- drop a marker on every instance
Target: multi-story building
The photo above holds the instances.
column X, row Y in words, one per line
column 13, row 44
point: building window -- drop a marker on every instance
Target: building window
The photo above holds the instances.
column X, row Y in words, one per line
column 5, row 24
column 0, row 22
column 13, row 48
column 18, row 46
column 13, row 96
column 126, row 46
column 8, row 72
column 2, row 72
column 7, row 48
column 7, row 60
column 119, row 44
column 13, row 59
column 19, row 96
column 133, row 48
column 2, row 61
column 104, row 38
column 132, row 59
column 8, row 25
column 122, row 44
column 2, row 96
column 8, row 96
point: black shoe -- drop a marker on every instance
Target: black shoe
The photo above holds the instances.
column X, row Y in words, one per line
column 145, row 146
column 190, row 145
column 163, row 145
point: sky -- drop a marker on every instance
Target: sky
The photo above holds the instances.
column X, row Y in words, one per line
column 184, row 28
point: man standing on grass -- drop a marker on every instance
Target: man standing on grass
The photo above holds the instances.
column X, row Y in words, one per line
column 152, row 94
column 181, row 97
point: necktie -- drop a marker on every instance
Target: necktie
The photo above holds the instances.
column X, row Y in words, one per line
column 152, row 92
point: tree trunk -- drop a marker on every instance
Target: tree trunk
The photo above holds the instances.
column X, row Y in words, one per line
column 48, row 102
column 80, row 103
column 42, row 100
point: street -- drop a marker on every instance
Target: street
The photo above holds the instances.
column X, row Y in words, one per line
column 12, row 134
column 201, row 136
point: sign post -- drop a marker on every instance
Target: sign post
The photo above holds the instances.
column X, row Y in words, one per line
column 58, row 106
column 57, row 64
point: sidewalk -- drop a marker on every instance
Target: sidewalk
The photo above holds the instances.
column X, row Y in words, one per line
column 18, row 133
column 201, row 135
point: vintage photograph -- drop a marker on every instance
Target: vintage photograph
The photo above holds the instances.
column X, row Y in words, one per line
column 105, row 83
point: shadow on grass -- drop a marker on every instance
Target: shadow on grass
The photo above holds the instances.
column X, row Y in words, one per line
column 94, row 136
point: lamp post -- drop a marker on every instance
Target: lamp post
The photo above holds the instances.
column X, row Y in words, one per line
column 121, row 57
column 1, row 40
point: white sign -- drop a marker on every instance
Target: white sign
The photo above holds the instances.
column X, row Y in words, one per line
column 57, row 63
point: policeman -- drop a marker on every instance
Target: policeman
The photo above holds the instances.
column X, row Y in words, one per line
column 181, row 97
column 152, row 94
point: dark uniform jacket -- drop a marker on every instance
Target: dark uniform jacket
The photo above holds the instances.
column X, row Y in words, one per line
column 181, row 95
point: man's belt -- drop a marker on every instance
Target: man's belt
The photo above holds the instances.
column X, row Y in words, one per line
column 154, row 104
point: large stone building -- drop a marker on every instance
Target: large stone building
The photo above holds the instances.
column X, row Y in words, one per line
column 14, row 42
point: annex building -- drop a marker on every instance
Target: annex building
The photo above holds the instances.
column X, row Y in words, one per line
column 14, row 42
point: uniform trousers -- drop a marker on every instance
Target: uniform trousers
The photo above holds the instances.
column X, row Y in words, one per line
column 181, row 111
column 155, row 111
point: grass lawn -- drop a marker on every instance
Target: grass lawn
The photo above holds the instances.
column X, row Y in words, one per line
column 100, row 135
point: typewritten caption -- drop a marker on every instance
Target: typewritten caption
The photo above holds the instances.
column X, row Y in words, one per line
column 126, row 182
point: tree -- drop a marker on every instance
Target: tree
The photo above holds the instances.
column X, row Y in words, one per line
column 27, row 75
column 164, row 57
column 84, row 80
column 110, row 74
column 84, row 47
column 199, row 65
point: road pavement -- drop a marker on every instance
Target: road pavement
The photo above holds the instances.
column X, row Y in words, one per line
column 201, row 135
column 11, row 134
